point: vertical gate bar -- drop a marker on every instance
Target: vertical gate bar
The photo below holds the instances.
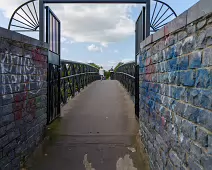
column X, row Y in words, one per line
column 147, row 18
column 48, row 65
column 143, row 23
column 137, row 90
column 59, row 69
column 41, row 20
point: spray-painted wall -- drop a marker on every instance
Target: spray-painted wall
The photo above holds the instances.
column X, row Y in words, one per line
column 176, row 92
column 23, row 96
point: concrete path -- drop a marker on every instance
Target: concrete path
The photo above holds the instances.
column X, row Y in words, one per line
column 97, row 131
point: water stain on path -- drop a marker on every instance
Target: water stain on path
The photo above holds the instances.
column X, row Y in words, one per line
column 125, row 163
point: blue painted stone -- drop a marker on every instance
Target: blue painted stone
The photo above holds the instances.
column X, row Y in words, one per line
column 195, row 60
column 173, row 64
column 191, row 113
column 194, row 97
column 205, row 119
column 173, row 92
column 183, row 63
column 206, row 99
column 203, row 78
column 187, row 78
column 179, row 91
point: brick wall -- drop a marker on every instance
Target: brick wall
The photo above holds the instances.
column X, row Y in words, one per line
column 176, row 92
column 23, row 100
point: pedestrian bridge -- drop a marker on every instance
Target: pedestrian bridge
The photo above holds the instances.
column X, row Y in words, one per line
column 57, row 114
column 98, row 130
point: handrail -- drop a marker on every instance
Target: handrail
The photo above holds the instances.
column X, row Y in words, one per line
column 125, row 74
column 74, row 77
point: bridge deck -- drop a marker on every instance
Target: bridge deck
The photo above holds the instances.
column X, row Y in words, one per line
column 98, row 127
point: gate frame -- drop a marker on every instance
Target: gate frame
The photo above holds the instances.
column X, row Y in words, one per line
column 53, row 59
column 145, row 32
column 43, row 2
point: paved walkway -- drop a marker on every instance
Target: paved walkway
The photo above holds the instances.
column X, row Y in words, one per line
column 97, row 131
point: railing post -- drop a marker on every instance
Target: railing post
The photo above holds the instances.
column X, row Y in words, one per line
column 137, row 90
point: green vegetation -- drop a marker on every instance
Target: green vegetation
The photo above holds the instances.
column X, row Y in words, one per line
column 107, row 74
column 94, row 65
column 120, row 63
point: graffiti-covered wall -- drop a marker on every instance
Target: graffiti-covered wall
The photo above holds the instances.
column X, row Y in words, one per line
column 176, row 92
column 23, row 96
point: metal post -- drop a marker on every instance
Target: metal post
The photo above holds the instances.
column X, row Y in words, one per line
column 41, row 20
column 137, row 90
column 147, row 18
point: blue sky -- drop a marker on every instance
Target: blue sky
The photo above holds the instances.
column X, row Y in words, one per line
column 103, row 34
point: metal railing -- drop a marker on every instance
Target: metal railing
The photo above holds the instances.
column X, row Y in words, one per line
column 125, row 74
column 74, row 77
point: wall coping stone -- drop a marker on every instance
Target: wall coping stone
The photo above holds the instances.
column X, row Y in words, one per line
column 197, row 11
column 8, row 34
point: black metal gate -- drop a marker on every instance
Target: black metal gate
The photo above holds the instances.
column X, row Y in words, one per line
column 53, row 39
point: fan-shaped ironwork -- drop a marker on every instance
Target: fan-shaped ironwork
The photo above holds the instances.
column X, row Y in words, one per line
column 25, row 17
column 161, row 15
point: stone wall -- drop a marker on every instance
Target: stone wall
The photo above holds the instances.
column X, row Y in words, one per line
column 23, row 96
column 176, row 92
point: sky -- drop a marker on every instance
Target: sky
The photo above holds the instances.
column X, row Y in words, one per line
column 100, row 33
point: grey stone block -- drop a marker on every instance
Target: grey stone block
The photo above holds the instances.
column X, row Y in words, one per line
column 193, row 164
column 7, row 119
column 188, row 129
column 188, row 45
column 174, row 158
column 206, row 162
column 196, row 150
column 201, row 24
column 3, row 141
column 207, row 57
column 181, row 35
column 210, row 144
column 5, row 33
column 10, row 126
column 191, row 28
column 191, row 113
column 169, row 166
column 197, row 11
column 2, row 131
column 202, row 136
column 6, row 110
column 205, row 119
column 177, row 23
column 158, row 35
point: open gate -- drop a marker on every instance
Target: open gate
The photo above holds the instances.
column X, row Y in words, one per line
column 53, row 39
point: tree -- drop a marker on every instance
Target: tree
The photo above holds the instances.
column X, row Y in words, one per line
column 94, row 65
column 120, row 63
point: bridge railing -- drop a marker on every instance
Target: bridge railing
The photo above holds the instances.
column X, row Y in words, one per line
column 125, row 74
column 74, row 77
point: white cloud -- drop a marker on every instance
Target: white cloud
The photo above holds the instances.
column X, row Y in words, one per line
column 65, row 50
column 90, row 61
column 95, row 23
column 116, row 51
column 112, row 62
column 104, row 44
column 94, row 48
column 66, row 40
column 125, row 60
column 9, row 6
column 63, row 39
column 99, row 23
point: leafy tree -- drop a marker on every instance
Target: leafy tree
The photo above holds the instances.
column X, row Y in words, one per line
column 120, row 63
column 107, row 74
column 94, row 65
